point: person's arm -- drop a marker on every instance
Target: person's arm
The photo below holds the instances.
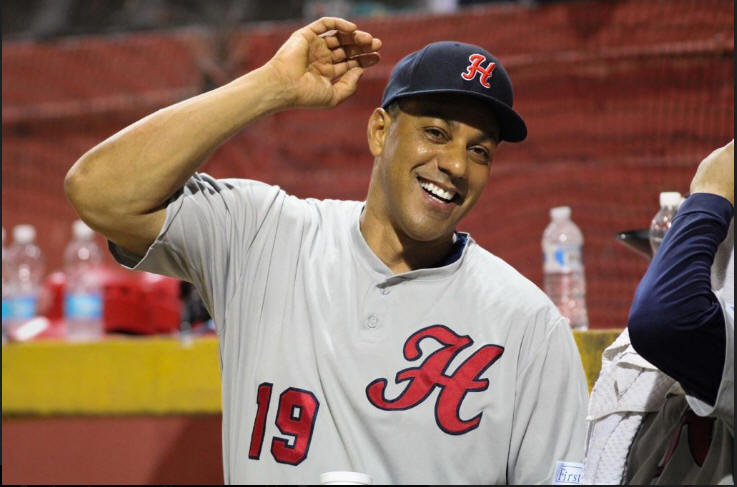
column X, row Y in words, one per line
column 120, row 186
column 675, row 321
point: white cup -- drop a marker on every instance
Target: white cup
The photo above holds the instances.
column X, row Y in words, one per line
column 345, row 478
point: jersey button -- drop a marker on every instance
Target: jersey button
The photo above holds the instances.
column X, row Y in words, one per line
column 385, row 291
column 372, row 321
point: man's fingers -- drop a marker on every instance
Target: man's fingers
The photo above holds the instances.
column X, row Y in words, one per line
column 360, row 61
column 331, row 39
column 367, row 60
column 339, row 69
column 325, row 24
column 342, row 53
column 335, row 39
column 358, row 37
column 346, row 85
column 339, row 54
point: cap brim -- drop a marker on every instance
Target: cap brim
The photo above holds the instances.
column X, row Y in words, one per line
column 511, row 125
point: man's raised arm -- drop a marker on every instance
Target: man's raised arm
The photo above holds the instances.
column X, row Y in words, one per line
column 119, row 187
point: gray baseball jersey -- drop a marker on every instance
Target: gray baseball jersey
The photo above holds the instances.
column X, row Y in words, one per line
column 689, row 441
column 464, row 373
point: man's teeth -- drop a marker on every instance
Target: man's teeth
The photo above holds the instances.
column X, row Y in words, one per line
column 436, row 191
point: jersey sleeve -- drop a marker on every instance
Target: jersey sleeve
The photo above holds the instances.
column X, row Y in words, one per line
column 209, row 223
column 723, row 407
column 674, row 309
column 550, row 411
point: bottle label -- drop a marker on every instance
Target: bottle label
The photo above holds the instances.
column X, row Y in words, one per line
column 83, row 306
column 562, row 258
column 22, row 307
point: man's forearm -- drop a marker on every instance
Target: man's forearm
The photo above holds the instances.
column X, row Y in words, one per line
column 137, row 169
column 120, row 186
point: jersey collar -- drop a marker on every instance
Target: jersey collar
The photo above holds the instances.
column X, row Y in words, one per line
column 371, row 262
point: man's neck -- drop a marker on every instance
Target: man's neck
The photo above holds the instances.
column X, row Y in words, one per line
column 397, row 251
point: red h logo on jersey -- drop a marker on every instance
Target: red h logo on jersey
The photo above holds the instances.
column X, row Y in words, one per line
column 422, row 380
column 475, row 67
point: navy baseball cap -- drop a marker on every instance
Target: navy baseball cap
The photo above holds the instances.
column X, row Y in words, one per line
column 457, row 67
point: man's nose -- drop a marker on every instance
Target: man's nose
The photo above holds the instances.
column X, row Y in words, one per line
column 453, row 161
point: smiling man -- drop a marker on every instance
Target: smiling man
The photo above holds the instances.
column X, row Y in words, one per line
column 354, row 336
column 433, row 155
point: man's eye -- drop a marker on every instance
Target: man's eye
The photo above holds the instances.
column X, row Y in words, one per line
column 435, row 133
column 480, row 153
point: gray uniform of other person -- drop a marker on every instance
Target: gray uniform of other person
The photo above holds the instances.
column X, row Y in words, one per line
column 464, row 373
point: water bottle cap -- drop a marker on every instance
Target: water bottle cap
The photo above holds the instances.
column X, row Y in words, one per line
column 560, row 212
column 24, row 234
column 670, row 198
column 81, row 231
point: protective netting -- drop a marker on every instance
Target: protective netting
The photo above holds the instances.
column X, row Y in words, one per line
column 622, row 100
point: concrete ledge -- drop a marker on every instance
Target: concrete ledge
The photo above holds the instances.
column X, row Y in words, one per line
column 146, row 375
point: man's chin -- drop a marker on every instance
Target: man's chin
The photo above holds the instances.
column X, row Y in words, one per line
column 429, row 234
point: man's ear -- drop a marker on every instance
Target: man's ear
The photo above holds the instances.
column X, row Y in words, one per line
column 377, row 130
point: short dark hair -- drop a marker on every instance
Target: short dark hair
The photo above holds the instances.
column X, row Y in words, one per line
column 393, row 108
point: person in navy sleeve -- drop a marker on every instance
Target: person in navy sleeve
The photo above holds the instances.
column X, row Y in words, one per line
column 662, row 410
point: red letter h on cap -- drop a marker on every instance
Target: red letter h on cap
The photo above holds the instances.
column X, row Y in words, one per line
column 475, row 67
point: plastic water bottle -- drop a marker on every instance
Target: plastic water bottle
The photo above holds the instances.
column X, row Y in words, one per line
column 83, row 294
column 563, row 268
column 669, row 203
column 25, row 268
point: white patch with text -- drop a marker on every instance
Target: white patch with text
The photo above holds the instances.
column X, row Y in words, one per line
column 568, row 473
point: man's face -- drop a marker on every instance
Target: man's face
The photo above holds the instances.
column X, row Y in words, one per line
column 432, row 161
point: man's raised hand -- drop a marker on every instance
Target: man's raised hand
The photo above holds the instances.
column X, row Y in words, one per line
column 320, row 64
column 715, row 173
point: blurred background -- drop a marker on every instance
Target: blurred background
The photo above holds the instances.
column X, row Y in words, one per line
column 622, row 100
